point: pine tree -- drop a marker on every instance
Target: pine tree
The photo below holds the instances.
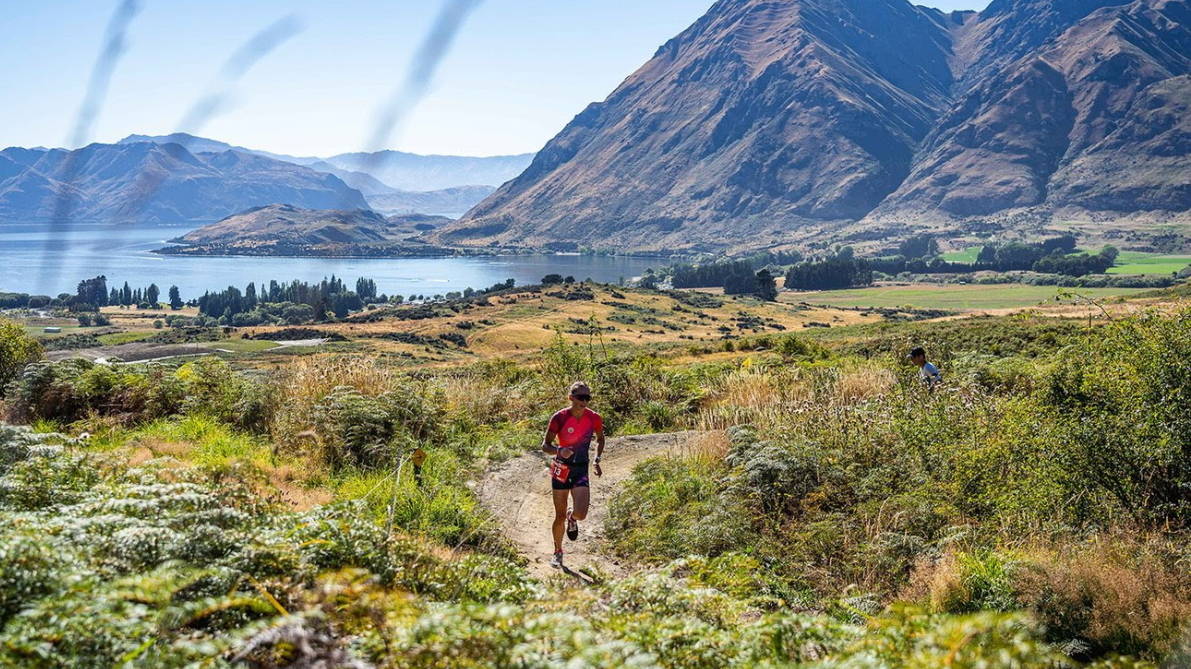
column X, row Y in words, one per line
column 175, row 298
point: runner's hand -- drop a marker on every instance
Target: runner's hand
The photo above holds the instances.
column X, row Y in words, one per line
column 565, row 453
column 597, row 470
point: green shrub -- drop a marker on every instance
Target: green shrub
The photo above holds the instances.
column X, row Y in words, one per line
column 178, row 565
column 1122, row 397
column 371, row 431
column 984, row 581
column 16, row 350
column 673, row 507
column 75, row 388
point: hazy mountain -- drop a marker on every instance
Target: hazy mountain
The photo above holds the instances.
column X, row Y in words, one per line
column 452, row 202
column 282, row 229
column 435, row 185
column 396, row 170
column 365, row 183
column 768, row 121
column 150, row 182
column 192, row 143
column 414, row 172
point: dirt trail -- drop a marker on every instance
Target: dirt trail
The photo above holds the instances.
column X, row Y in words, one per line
column 518, row 494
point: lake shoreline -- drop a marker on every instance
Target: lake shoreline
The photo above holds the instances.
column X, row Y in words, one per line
column 38, row 262
column 428, row 253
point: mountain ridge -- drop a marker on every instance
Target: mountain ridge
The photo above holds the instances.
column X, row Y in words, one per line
column 149, row 182
column 409, row 172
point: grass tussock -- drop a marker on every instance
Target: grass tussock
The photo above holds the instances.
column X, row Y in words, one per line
column 305, row 381
column 1122, row 592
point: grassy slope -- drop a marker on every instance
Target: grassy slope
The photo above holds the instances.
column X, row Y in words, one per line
column 522, row 323
column 967, row 255
column 950, row 296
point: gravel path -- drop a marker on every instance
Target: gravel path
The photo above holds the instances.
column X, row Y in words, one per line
column 518, row 493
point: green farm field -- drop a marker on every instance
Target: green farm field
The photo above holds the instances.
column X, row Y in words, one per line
column 950, row 296
column 243, row 345
column 1138, row 262
column 967, row 255
column 1128, row 262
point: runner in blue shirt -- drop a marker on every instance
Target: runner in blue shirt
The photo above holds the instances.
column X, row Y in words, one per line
column 929, row 374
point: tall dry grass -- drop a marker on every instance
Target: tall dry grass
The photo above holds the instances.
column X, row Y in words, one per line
column 767, row 396
column 1127, row 592
column 492, row 397
column 301, row 384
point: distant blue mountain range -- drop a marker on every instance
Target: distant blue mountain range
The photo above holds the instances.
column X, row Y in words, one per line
column 183, row 178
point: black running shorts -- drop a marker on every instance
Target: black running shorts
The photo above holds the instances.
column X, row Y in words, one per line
column 576, row 478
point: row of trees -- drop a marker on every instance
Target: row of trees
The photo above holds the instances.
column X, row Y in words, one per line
column 93, row 293
column 842, row 270
column 309, row 301
column 301, row 302
column 719, row 274
column 1056, row 255
column 128, row 296
column 327, row 296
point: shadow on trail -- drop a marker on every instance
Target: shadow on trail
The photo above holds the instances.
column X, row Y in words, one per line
column 585, row 579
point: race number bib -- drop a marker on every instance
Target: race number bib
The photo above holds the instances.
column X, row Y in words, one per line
column 559, row 471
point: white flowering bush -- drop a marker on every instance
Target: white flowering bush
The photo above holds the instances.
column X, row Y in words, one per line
column 161, row 567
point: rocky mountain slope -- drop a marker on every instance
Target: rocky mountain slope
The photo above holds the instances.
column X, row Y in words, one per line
column 769, row 122
column 282, row 229
column 150, row 182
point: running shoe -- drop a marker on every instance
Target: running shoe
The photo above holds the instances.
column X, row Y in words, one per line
column 556, row 561
column 572, row 527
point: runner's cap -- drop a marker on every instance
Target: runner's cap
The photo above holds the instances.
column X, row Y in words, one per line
column 580, row 388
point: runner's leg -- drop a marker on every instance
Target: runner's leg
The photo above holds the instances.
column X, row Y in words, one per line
column 582, row 497
column 560, row 517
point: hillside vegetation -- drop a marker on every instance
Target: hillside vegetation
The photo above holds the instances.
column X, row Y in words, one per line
column 262, row 509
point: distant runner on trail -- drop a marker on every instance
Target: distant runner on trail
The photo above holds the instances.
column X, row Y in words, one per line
column 574, row 428
column 929, row 374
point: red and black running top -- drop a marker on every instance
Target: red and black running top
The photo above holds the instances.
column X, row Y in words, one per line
column 576, row 433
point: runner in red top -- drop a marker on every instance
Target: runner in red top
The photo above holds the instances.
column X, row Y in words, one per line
column 574, row 428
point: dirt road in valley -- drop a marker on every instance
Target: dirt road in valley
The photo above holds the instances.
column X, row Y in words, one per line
column 518, row 493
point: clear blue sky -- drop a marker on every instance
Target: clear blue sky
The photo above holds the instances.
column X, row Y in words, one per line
column 519, row 69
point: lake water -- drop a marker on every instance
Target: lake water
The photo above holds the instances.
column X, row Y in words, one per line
column 29, row 265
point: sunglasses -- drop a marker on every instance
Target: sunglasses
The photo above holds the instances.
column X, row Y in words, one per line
column 582, row 398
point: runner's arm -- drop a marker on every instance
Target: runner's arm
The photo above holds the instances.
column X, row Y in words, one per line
column 548, row 440
column 599, row 451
